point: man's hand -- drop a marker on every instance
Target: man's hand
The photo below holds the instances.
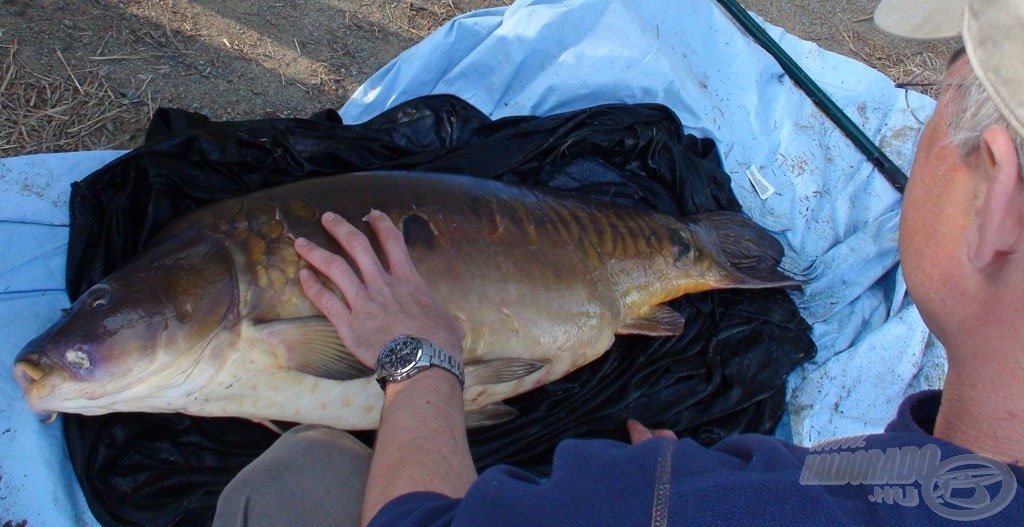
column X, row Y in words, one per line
column 639, row 433
column 421, row 443
column 377, row 304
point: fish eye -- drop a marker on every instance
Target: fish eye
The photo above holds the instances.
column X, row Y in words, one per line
column 98, row 297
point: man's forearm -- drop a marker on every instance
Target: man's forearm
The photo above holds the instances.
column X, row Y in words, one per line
column 421, row 444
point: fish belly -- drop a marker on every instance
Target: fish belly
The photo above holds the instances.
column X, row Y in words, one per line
column 252, row 384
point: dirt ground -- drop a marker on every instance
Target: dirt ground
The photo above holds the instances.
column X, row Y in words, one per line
column 87, row 74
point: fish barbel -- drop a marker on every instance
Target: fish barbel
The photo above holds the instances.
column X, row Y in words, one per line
column 210, row 319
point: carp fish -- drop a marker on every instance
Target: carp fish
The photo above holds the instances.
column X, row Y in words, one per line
column 210, row 319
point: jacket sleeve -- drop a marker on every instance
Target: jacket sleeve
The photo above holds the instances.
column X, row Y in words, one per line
column 584, row 473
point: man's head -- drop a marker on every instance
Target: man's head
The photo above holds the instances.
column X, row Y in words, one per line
column 963, row 213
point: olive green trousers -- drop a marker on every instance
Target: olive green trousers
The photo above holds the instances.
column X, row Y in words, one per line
column 311, row 476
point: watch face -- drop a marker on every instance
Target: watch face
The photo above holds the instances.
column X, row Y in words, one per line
column 400, row 355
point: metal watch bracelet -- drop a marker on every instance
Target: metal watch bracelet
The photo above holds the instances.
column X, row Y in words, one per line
column 446, row 360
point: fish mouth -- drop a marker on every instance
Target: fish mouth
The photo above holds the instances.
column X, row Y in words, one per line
column 27, row 374
column 37, row 382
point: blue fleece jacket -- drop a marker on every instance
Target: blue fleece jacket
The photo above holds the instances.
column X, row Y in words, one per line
column 903, row 476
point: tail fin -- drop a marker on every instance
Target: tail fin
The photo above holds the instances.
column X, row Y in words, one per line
column 745, row 250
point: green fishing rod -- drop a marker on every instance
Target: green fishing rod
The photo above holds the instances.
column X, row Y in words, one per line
column 875, row 155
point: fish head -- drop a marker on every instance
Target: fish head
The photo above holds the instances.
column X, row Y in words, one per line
column 136, row 335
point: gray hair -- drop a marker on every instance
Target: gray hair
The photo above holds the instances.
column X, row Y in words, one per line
column 971, row 111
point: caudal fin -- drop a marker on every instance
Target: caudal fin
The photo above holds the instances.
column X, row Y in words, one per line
column 746, row 251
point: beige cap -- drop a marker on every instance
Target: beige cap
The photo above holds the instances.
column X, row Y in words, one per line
column 921, row 19
column 993, row 35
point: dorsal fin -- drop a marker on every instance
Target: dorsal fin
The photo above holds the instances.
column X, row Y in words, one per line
column 311, row 345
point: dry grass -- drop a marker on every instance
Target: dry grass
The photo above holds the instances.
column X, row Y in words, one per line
column 422, row 17
column 70, row 110
column 75, row 111
column 919, row 70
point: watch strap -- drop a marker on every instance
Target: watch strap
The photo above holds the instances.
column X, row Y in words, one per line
column 440, row 357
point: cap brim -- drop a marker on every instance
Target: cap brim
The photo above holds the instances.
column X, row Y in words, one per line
column 992, row 42
column 921, row 19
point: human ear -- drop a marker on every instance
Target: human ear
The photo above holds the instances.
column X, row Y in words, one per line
column 999, row 220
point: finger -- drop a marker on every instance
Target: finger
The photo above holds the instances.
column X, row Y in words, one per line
column 323, row 298
column 356, row 245
column 334, row 267
column 637, row 432
column 664, row 433
column 392, row 244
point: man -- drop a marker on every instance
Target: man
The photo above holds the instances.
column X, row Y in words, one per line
column 962, row 250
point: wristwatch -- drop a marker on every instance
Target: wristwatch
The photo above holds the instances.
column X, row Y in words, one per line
column 406, row 356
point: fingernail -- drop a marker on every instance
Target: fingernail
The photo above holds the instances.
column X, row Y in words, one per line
column 373, row 212
column 301, row 242
column 330, row 216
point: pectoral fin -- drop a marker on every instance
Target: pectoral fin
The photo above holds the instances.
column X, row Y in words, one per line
column 489, row 414
column 311, row 345
column 662, row 321
column 497, row 371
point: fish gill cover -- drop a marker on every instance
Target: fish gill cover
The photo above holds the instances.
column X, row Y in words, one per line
column 725, row 374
